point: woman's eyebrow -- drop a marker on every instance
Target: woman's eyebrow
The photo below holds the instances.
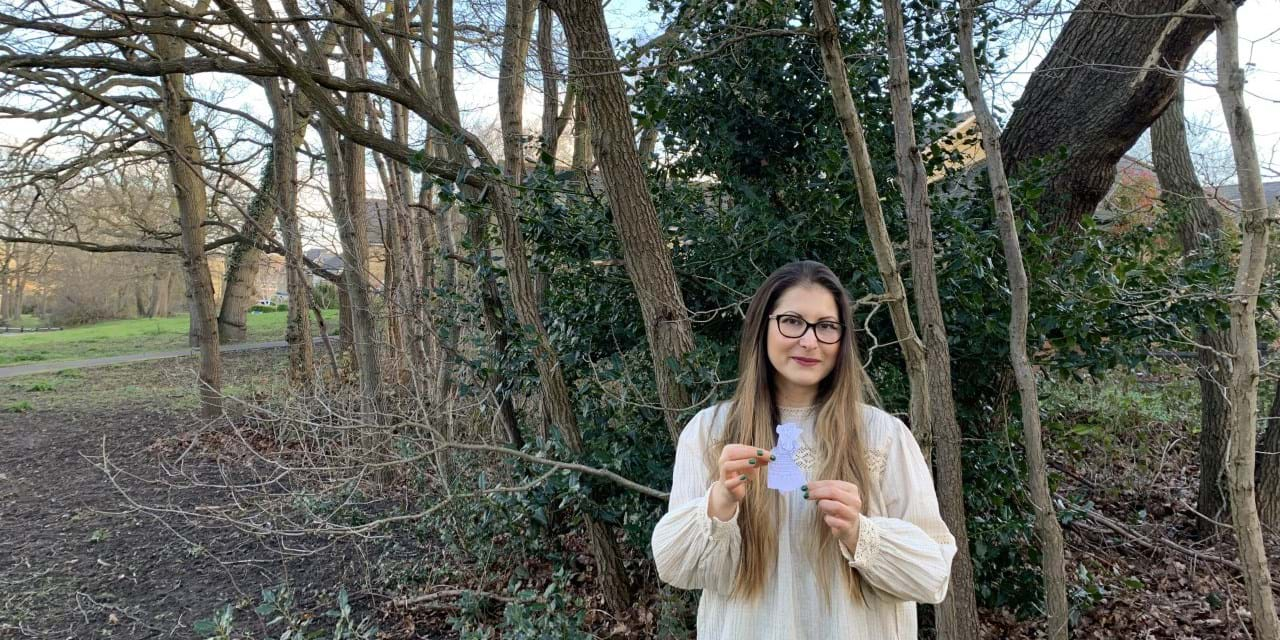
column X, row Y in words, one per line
column 797, row 313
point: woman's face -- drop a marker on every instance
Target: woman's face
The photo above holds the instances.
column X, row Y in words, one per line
column 801, row 363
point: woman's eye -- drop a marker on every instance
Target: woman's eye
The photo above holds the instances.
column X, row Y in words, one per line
column 792, row 322
column 828, row 326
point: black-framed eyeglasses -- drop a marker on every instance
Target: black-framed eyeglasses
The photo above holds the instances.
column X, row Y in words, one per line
column 793, row 326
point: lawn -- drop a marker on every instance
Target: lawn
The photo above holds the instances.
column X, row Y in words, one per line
column 120, row 337
column 26, row 321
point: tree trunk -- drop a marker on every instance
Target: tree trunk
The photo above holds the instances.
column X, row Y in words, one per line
column 828, row 35
column 644, row 247
column 583, row 157
column 550, row 88
column 183, row 154
column 245, row 259
column 1112, row 91
column 1052, row 555
column 957, row 617
column 159, row 293
column 516, row 32
column 285, row 188
column 351, row 215
column 1243, row 392
column 1269, row 468
column 1199, row 232
column 448, row 341
column 612, row 574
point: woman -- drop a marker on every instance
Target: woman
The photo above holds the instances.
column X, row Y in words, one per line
column 849, row 554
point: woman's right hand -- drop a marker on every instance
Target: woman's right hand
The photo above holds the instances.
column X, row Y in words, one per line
column 739, row 464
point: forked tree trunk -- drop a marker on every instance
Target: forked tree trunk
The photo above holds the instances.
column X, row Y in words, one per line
column 1255, row 229
column 957, row 617
column 828, row 34
column 1114, row 86
column 182, row 151
column 284, row 158
column 1052, row 554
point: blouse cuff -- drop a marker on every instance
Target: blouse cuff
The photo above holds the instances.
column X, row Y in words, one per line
column 867, row 551
column 719, row 529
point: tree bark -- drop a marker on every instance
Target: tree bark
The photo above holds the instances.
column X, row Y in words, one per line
column 285, row 188
column 1243, row 393
column 1101, row 85
column 244, row 261
column 351, row 216
column 550, row 88
column 1269, row 468
column 644, row 248
column 957, row 617
column 828, row 35
column 1199, row 232
column 517, row 30
column 184, row 159
column 1052, row 555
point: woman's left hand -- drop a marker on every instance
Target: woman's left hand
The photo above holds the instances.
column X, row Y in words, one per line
column 840, row 503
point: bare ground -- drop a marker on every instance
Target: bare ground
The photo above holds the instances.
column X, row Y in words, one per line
column 78, row 561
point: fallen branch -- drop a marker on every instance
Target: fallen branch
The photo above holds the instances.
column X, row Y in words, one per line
column 1150, row 543
column 430, row 598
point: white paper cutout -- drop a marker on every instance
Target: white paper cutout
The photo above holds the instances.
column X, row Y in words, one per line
column 784, row 474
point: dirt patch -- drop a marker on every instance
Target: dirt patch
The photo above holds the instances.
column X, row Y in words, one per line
column 77, row 560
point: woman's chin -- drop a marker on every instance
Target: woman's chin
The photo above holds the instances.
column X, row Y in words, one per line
column 803, row 378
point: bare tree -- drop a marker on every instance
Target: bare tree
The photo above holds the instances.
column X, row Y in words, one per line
column 1047, row 528
column 183, row 154
column 1243, row 391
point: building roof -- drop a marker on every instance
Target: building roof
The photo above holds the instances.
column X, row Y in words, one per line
column 327, row 259
column 1231, row 192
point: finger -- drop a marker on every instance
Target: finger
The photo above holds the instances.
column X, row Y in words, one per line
column 736, row 480
column 737, row 467
column 833, row 490
column 836, row 509
column 835, row 523
column 742, row 452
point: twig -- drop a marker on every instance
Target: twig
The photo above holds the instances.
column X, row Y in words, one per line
column 1147, row 541
column 410, row 601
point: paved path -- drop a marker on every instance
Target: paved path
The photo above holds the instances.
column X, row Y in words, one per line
column 49, row 367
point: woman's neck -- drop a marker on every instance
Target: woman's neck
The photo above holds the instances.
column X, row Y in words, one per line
column 792, row 396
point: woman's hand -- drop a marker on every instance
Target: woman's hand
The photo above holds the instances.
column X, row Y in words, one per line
column 840, row 503
column 739, row 464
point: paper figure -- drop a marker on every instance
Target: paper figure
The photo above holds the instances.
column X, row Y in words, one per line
column 784, row 474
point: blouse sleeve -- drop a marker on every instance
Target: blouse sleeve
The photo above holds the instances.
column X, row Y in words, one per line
column 907, row 553
column 691, row 549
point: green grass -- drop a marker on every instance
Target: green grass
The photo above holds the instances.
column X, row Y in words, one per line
column 121, row 337
column 27, row 322
column 161, row 384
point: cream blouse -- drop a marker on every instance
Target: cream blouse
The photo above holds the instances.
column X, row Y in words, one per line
column 903, row 554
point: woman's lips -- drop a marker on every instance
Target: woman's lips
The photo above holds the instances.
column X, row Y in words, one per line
column 805, row 362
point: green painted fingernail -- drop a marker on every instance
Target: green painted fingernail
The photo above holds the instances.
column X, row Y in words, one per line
column 805, row 488
column 759, row 452
column 751, row 461
column 772, row 457
column 743, row 478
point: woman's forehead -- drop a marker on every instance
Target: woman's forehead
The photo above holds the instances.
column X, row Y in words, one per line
column 808, row 300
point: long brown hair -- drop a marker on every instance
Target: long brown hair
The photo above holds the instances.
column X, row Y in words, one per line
column 753, row 413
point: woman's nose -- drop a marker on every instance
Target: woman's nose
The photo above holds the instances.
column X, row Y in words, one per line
column 809, row 340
